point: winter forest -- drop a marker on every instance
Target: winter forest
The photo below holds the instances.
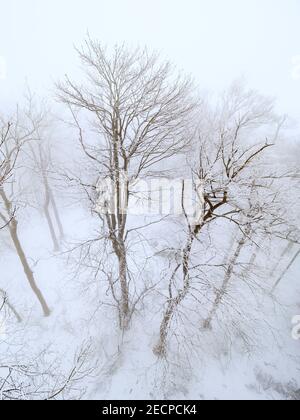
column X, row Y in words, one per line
column 149, row 229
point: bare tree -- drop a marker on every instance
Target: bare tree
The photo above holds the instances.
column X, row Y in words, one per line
column 139, row 115
column 14, row 135
column 43, row 166
column 225, row 170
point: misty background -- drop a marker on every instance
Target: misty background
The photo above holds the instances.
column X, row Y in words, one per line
column 146, row 306
column 216, row 41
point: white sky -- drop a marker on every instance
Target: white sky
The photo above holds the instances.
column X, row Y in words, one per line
column 215, row 40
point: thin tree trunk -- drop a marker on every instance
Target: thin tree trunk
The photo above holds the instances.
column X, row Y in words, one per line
column 287, row 249
column 221, row 293
column 286, row 270
column 56, row 214
column 51, row 229
column 49, row 199
column 47, row 213
column 28, row 272
column 231, row 246
column 13, row 229
column 253, row 258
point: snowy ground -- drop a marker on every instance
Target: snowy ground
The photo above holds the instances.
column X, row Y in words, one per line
column 220, row 367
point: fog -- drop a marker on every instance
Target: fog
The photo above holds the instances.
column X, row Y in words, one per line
column 149, row 221
column 217, row 41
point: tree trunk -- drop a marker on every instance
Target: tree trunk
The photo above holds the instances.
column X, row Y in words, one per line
column 286, row 270
column 51, row 228
column 47, row 214
column 28, row 272
column 253, row 258
column 13, row 229
column 160, row 349
column 221, row 293
column 124, row 304
column 286, row 251
column 56, row 214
